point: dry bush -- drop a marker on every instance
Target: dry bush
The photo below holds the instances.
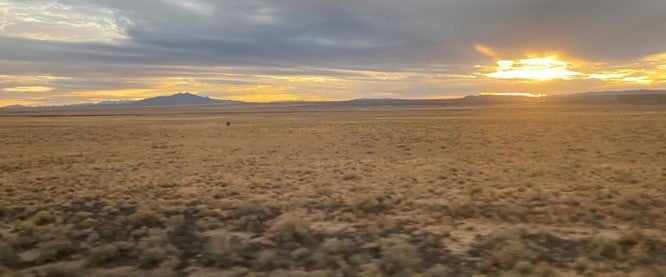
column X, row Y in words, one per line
column 292, row 229
column 154, row 237
column 369, row 204
column 267, row 259
column 43, row 218
column 300, row 273
column 152, row 257
column 628, row 246
column 648, row 271
column 337, row 246
column 438, row 270
column 80, row 216
column 604, row 248
column 370, row 270
column 503, row 250
column 507, row 254
column 581, row 264
column 523, row 267
column 141, row 218
column 6, row 272
column 639, row 253
column 300, row 253
column 252, row 216
column 324, row 260
column 463, row 209
column 7, row 255
column 223, row 249
column 152, row 248
column 55, row 250
column 62, row 270
column 30, row 234
column 543, row 269
column 398, row 254
column 103, row 255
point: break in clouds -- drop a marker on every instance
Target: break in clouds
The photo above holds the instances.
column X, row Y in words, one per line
column 73, row 50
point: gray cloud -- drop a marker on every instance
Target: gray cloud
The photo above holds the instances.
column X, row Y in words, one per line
column 360, row 33
column 319, row 37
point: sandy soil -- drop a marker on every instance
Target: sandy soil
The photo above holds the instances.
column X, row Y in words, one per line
column 530, row 191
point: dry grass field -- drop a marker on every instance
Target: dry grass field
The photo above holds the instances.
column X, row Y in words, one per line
column 344, row 192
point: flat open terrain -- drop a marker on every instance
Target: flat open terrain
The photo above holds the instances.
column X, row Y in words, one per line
column 362, row 192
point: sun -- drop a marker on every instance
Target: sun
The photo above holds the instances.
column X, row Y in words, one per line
column 535, row 69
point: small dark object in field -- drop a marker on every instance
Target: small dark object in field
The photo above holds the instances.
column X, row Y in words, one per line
column 228, row 123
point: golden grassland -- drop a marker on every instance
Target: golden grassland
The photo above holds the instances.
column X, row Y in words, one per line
column 363, row 192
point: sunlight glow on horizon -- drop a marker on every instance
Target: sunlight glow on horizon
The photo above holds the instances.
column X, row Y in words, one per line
column 523, row 94
column 649, row 70
column 539, row 69
column 543, row 73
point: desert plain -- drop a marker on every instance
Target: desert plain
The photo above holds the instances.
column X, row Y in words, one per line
column 377, row 191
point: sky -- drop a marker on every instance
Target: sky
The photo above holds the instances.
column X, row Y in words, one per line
column 73, row 51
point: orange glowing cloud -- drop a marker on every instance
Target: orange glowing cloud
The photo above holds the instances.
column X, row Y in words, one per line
column 116, row 94
column 538, row 69
column 29, row 89
column 649, row 70
column 485, row 50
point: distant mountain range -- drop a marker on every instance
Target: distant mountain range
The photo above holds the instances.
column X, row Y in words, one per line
column 178, row 99
column 627, row 97
column 14, row 107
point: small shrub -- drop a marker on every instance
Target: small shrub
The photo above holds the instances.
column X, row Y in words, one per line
column 635, row 200
column 43, row 218
column 6, row 272
column 437, row 270
column 88, row 223
column 512, row 253
column 103, row 255
column 222, row 249
column 367, row 204
column 351, row 177
column 370, row 270
column 143, row 218
column 639, row 253
column 605, row 247
column 55, row 250
column 506, row 254
column 324, row 260
column 581, row 264
column 337, row 246
column 30, row 234
column 152, row 257
column 649, row 271
column 292, row 229
column 80, row 216
column 267, row 259
column 544, row 270
column 252, row 216
column 300, row 253
column 523, row 267
column 62, row 271
column 7, row 254
column 398, row 254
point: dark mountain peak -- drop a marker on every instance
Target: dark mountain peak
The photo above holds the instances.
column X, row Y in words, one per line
column 182, row 98
column 184, row 94
column 14, row 107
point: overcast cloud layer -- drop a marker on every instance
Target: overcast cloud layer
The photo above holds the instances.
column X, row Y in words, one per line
column 74, row 50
